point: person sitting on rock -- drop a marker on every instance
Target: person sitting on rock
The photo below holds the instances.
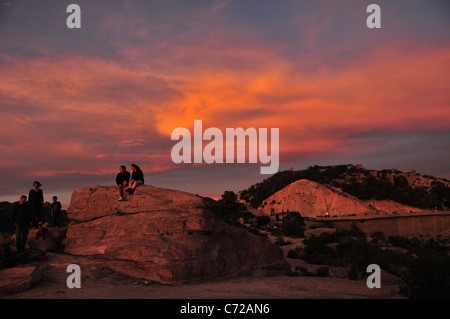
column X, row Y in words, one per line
column 137, row 178
column 42, row 232
column 122, row 180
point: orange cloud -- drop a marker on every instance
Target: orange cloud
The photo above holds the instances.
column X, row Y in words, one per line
column 392, row 90
column 109, row 111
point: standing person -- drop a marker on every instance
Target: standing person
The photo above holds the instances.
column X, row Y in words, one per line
column 55, row 209
column 137, row 178
column 122, row 180
column 36, row 199
column 23, row 218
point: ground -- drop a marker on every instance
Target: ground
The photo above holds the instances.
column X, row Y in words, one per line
column 245, row 287
column 100, row 282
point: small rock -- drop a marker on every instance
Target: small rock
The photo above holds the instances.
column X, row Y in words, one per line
column 19, row 279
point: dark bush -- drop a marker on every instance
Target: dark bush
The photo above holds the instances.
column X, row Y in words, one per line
column 357, row 254
column 262, row 221
column 229, row 209
column 317, row 251
column 399, row 241
column 281, row 242
column 322, row 272
column 428, row 276
column 296, row 253
column 377, row 236
column 293, row 225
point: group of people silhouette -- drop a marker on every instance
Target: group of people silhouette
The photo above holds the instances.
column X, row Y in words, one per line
column 128, row 182
column 27, row 213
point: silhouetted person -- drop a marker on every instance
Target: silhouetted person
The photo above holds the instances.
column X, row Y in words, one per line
column 22, row 217
column 42, row 232
column 55, row 209
column 36, row 199
column 122, row 180
column 137, row 178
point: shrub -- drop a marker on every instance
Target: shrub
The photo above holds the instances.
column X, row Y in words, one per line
column 357, row 254
column 292, row 226
column 295, row 253
column 399, row 241
column 377, row 236
column 262, row 221
column 302, row 270
column 281, row 242
column 317, row 251
column 428, row 276
column 322, row 272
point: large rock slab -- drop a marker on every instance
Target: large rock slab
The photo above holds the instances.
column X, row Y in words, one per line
column 163, row 235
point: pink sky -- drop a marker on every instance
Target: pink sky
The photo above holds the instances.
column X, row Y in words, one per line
column 76, row 104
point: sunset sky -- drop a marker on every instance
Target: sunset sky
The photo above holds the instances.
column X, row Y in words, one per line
column 77, row 103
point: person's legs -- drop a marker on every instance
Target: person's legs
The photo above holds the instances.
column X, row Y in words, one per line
column 19, row 235
column 58, row 218
column 135, row 184
column 39, row 213
column 130, row 188
column 34, row 214
column 120, row 189
column 25, row 230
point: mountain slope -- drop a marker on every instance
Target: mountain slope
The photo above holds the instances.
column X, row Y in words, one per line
column 411, row 188
column 312, row 199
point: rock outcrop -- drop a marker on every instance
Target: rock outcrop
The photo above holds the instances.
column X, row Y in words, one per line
column 52, row 243
column 6, row 223
column 19, row 279
column 162, row 235
column 312, row 199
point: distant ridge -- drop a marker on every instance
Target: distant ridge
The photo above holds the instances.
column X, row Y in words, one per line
column 312, row 199
column 410, row 188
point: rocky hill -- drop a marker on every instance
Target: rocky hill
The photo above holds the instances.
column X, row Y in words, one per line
column 410, row 188
column 313, row 199
column 163, row 235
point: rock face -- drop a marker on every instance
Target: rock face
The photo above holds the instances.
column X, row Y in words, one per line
column 163, row 235
column 19, row 279
column 52, row 243
column 6, row 223
column 312, row 199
